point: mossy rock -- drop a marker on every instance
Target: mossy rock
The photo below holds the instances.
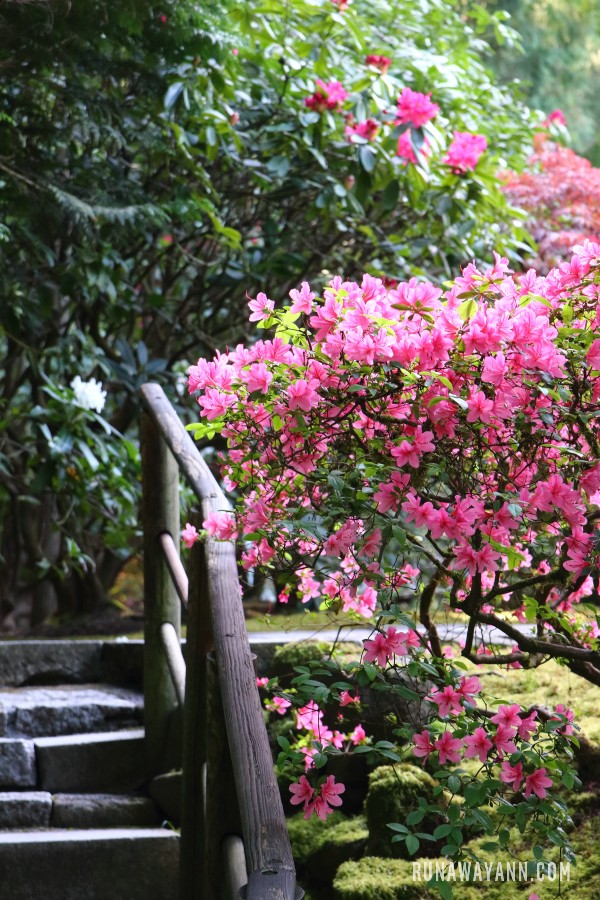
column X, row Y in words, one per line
column 342, row 842
column 301, row 653
column 320, row 847
column 394, row 791
column 373, row 878
column 307, row 835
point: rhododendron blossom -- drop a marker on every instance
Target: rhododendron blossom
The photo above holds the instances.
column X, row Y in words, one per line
column 415, row 108
column 465, row 151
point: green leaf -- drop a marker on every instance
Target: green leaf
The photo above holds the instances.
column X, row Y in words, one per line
column 412, row 844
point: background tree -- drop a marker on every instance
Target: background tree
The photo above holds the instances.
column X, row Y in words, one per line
column 557, row 57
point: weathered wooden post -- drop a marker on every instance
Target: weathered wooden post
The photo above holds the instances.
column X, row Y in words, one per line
column 198, row 644
column 160, row 480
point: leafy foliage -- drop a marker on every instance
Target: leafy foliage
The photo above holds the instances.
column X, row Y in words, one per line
column 155, row 163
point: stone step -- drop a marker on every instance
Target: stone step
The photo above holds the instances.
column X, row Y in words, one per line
column 103, row 811
column 68, row 709
column 41, row 809
column 48, row 662
column 25, row 809
column 17, row 764
column 120, row 864
column 91, row 763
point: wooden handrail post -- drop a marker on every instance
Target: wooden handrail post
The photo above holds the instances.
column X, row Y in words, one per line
column 160, row 513
column 198, row 644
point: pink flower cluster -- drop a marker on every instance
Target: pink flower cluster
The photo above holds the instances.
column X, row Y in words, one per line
column 319, row 800
column 378, row 62
column 330, row 95
column 415, row 108
column 465, row 151
column 387, row 644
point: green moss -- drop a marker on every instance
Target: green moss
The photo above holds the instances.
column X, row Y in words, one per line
column 372, row 878
column 300, row 653
column 394, row 791
column 307, row 835
column 343, row 841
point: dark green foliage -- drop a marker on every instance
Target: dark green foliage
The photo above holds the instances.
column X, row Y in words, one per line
column 150, row 176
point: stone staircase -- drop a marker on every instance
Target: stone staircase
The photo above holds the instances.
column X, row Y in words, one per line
column 76, row 822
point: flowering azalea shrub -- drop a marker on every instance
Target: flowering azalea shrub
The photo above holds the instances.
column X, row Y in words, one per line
column 561, row 193
column 399, row 449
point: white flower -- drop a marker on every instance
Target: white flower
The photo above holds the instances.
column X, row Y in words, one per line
column 89, row 394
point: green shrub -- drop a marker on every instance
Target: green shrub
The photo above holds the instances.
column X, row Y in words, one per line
column 340, row 843
column 307, row 835
column 393, row 792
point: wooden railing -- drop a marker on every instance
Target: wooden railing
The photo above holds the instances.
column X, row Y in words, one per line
column 234, row 840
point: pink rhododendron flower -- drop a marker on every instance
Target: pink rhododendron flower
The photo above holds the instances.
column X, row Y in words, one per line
column 465, row 151
column 379, row 62
column 537, row 783
column 189, row 535
column 556, row 115
column 262, row 682
column 406, row 150
column 330, row 95
column 368, row 130
column 415, row 108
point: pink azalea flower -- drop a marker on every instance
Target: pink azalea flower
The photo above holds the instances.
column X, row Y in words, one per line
column 469, row 686
column 448, row 748
column 449, row 700
column 478, row 744
column 377, row 650
column 261, row 308
column 302, row 791
column 423, row 745
column 302, row 299
column 502, row 740
column 537, row 783
column 278, row 705
column 415, row 108
column 464, row 151
column 302, row 395
column 527, row 726
column 221, row 525
column 359, row 734
column 512, row 774
column 262, row 682
column 346, row 698
column 189, row 535
column 508, row 715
